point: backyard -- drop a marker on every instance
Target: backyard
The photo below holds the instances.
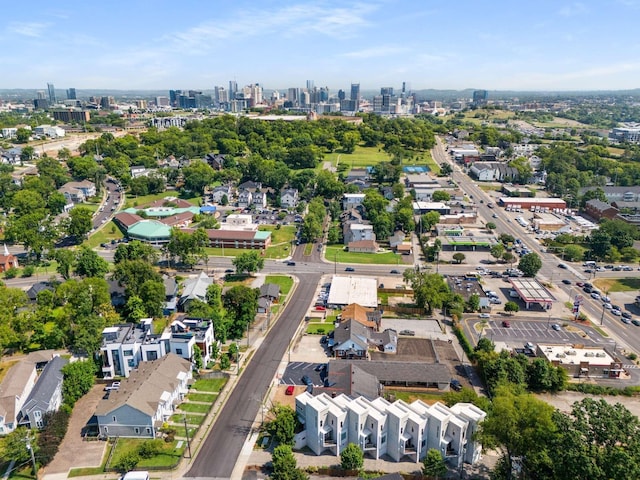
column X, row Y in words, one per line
column 108, row 232
column 284, row 281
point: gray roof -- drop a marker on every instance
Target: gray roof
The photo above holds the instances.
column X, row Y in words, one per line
column 412, row 372
column 40, row 397
column 598, row 204
column 351, row 330
column 170, row 285
column 270, row 290
column 348, row 378
column 196, row 288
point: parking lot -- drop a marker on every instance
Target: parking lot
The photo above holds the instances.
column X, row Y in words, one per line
column 308, row 349
column 296, row 370
column 532, row 331
column 426, row 328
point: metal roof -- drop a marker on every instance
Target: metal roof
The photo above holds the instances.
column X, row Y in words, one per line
column 530, row 290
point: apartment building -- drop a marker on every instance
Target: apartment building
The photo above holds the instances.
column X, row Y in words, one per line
column 404, row 432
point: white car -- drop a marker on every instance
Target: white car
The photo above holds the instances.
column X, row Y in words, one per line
column 607, row 306
column 595, row 296
column 484, row 315
column 617, row 313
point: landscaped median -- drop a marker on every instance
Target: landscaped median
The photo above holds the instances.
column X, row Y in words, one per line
column 336, row 253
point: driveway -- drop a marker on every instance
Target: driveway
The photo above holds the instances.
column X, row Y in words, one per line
column 75, row 452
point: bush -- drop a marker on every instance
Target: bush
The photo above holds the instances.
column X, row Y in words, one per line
column 11, row 273
column 127, row 462
column 225, row 363
column 28, row 271
column 464, row 342
column 632, row 356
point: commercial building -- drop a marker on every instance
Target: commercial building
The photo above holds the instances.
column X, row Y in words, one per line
column 582, row 361
column 345, row 290
column 404, row 432
column 71, row 116
column 527, row 203
column 597, row 209
column 532, row 292
column 628, row 132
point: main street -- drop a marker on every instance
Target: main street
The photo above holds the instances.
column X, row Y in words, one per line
column 626, row 335
column 219, row 452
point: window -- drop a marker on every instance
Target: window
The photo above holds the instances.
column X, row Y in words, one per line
column 106, row 429
column 114, row 418
column 37, row 414
column 320, row 422
column 136, row 430
column 340, row 424
column 384, row 439
column 128, row 353
column 148, row 430
column 178, row 351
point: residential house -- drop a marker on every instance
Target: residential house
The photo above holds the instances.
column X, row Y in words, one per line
column 352, row 200
column 387, row 192
column 493, row 171
column 289, row 198
column 145, row 400
column 598, row 209
column 251, row 186
column 400, row 430
column 12, row 156
column 117, row 293
column 8, row 260
column 363, row 246
column 396, row 239
column 615, row 194
column 351, row 340
column 215, row 160
column 189, row 332
column 245, row 198
column 137, row 171
column 14, row 391
column 421, row 180
column 46, row 396
column 355, row 232
column 270, row 291
column 386, row 341
column 217, row 194
column 121, row 348
column 78, row 192
column 259, row 200
column 171, row 294
column 36, row 288
column 195, row 288
column 369, row 317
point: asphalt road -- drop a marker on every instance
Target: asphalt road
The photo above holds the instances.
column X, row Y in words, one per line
column 220, row 450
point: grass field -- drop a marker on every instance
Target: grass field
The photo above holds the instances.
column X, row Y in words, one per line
column 361, row 157
column 108, row 232
column 202, row 397
column 168, row 456
column 627, row 284
column 428, row 398
column 191, row 419
column 144, row 200
column 319, row 328
column 335, row 253
column 213, row 385
column 285, row 282
column 194, row 407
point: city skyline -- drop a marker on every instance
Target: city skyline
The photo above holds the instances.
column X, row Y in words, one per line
column 558, row 45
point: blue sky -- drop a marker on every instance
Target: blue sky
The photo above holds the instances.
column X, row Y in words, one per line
column 159, row 44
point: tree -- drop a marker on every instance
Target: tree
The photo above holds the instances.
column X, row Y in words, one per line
column 473, row 303
column 284, row 465
column 485, row 345
column 599, row 244
column 133, row 274
column 14, row 446
column 429, row 289
column 248, row 262
column 511, row 307
column 153, row 295
column 573, row 253
column 197, row 175
column 134, row 309
column 446, row 169
column 197, row 357
column 65, row 259
column 90, row 264
column 491, row 226
column 440, row 196
column 23, row 135
column 351, row 458
column 497, row 251
column 530, row 264
column 241, row 304
column 459, row 257
column 429, row 220
column 80, row 222
column 78, row 379
column 135, row 250
column 433, row 465
column 521, row 426
column 508, row 257
column 282, row 427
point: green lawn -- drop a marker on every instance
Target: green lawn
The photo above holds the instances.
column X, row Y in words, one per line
column 168, row 457
column 194, row 407
column 232, row 280
column 284, row 234
column 627, row 284
column 191, row 419
column 108, row 232
column 361, row 157
column 202, row 397
column 285, row 282
column 213, row 385
column 335, row 253
column 146, row 199
column 429, row 398
column 308, row 248
column 319, row 328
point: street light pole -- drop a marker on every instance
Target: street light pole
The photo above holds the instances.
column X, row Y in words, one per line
column 335, row 263
column 186, row 433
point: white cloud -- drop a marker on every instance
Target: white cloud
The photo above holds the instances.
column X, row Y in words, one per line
column 373, row 52
column 28, row 29
column 576, row 8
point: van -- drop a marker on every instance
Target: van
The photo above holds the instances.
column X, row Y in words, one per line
column 589, row 264
column 138, row 475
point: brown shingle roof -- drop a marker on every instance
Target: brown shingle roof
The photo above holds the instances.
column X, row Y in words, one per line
column 143, row 388
column 127, row 219
column 176, row 219
column 178, row 202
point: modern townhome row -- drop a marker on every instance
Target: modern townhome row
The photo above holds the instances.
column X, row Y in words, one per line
column 404, row 432
column 144, row 400
column 125, row 346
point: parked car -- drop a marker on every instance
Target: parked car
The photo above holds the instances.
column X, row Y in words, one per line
column 307, row 381
column 113, row 386
column 617, row 313
column 506, row 324
column 625, row 320
column 566, row 282
column 636, row 322
column 289, row 390
column 484, row 315
column 561, row 265
column 408, row 333
column 291, row 264
column 626, row 315
column 455, row 385
column 556, row 327
column 320, row 308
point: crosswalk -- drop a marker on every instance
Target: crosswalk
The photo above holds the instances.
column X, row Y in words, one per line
column 630, row 366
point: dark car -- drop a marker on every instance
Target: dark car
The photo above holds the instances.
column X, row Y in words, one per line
column 408, row 333
column 229, row 270
column 291, row 264
column 556, row 327
column 394, row 271
column 636, row 322
column 566, row 282
column 562, row 265
column 455, row 385
column 349, row 269
column 626, row 315
column 320, row 367
column 307, row 381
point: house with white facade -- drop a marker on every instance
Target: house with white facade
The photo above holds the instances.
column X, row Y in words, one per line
column 352, row 200
column 46, row 396
column 259, row 200
column 144, row 400
column 78, row 192
column 404, row 432
column 356, row 232
column 14, row 391
column 245, row 198
column 194, row 289
column 289, row 198
column 217, row 194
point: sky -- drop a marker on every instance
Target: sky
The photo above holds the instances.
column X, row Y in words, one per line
column 535, row 45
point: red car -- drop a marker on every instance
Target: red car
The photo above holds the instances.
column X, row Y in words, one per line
column 289, row 390
column 506, row 324
column 320, row 308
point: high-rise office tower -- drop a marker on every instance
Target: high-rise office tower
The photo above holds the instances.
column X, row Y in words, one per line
column 386, row 91
column 293, row 96
column 355, row 92
column 71, row 94
column 310, row 85
column 233, row 89
column 174, row 97
column 40, row 95
column 52, row 93
column 341, row 95
column 480, row 96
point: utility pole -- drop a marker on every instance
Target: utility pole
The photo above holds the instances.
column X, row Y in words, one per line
column 33, row 458
column 186, row 433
